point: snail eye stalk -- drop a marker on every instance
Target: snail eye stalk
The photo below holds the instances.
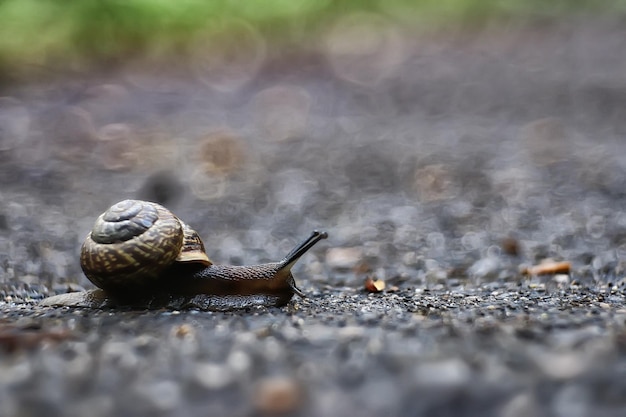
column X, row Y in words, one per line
column 302, row 248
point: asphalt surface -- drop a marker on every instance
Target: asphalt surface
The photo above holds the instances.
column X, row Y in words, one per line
column 446, row 169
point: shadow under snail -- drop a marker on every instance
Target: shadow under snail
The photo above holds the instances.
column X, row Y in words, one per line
column 139, row 254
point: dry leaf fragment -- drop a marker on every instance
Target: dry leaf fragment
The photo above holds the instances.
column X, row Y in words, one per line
column 548, row 268
column 374, row 285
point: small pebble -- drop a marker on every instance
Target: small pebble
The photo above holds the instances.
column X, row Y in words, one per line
column 212, row 376
column 162, row 395
column 447, row 373
column 277, row 395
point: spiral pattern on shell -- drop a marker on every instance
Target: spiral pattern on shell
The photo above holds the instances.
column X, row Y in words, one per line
column 130, row 245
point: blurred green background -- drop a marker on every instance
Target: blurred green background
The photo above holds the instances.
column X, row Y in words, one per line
column 90, row 34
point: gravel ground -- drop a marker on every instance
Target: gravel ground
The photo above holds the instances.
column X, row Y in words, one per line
column 445, row 169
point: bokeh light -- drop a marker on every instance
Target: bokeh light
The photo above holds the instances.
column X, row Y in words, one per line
column 446, row 145
column 364, row 48
column 228, row 54
column 282, row 112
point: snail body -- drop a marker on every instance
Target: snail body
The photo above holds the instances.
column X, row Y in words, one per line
column 140, row 254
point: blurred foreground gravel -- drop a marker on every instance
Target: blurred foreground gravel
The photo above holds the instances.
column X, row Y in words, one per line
column 444, row 169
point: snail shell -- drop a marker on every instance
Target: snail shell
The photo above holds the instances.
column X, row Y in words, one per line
column 140, row 254
column 133, row 242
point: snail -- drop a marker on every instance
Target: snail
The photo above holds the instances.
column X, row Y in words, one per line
column 140, row 254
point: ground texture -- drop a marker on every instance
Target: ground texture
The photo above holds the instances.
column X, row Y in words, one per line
column 445, row 166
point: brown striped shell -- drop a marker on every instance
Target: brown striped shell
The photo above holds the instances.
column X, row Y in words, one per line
column 133, row 242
